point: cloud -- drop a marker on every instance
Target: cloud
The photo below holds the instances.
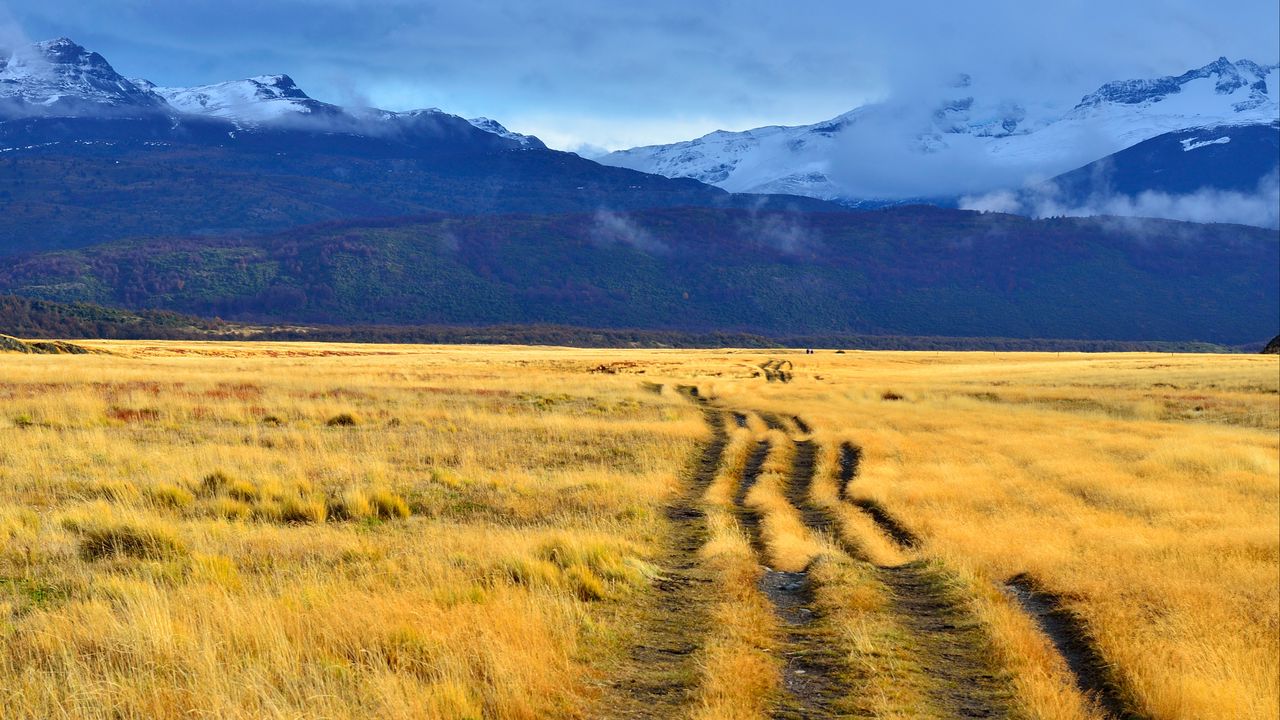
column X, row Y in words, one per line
column 784, row 232
column 610, row 228
column 12, row 36
column 734, row 63
column 1260, row 208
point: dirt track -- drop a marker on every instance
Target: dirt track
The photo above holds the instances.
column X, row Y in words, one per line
column 663, row 675
column 942, row 637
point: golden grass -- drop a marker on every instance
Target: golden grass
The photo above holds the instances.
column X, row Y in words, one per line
column 191, row 534
column 285, row 530
column 1160, row 526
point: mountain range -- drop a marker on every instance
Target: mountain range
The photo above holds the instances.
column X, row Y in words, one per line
column 87, row 155
column 58, row 78
column 959, row 142
column 252, row 201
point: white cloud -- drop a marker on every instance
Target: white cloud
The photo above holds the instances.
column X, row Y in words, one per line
column 1260, row 208
column 612, row 228
column 626, row 70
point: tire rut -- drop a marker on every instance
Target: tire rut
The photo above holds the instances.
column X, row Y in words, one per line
column 772, row 421
column 950, row 643
column 747, row 518
column 919, row 593
column 812, row 663
column 850, row 459
column 1067, row 632
column 663, row 672
column 947, row 641
column 888, row 524
column 774, row 370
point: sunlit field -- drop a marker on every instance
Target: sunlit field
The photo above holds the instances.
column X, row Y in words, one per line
column 222, row 530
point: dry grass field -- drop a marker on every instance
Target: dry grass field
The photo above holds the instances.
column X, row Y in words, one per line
column 230, row 530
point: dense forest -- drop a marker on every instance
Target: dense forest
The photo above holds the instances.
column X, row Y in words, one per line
column 912, row 271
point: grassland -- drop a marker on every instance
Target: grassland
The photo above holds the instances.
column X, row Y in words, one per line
column 341, row 531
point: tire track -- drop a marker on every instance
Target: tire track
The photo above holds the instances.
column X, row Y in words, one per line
column 888, row 524
column 948, row 642
column 920, row 594
column 1094, row 677
column 663, row 674
column 850, row 459
column 812, row 663
column 774, row 370
column 747, row 518
column 772, row 421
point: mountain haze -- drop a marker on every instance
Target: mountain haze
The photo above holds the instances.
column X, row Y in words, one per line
column 960, row 141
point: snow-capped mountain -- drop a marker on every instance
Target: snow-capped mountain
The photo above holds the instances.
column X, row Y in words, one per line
column 964, row 142
column 58, row 78
column 277, row 100
column 262, row 99
column 495, row 127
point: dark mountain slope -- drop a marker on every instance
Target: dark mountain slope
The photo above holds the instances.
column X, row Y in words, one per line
column 87, row 156
column 909, row 271
column 1233, row 158
column 70, row 182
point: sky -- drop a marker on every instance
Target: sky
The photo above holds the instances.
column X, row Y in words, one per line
column 585, row 75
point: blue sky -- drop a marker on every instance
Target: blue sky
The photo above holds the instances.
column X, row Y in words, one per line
column 579, row 73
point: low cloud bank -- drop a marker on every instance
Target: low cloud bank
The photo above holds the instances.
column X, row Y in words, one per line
column 611, row 228
column 1260, row 208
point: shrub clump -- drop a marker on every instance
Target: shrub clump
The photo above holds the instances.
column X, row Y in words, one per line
column 388, row 505
column 302, row 510
column 356, row 504
column 214, row 483
column 243, row 491
column 343, row 420
column 127, row 539
column 352, row 504
column 171, row 496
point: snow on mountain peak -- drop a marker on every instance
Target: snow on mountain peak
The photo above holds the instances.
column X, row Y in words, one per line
column 254, row 100
column 59, row 77
column 495, row 127
column 873, row 152
column 1227, row 79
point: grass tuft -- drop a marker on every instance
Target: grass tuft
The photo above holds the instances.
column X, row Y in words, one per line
column 388, row 505
column 302, row 510
column 345, row 419
column 171, row 496
column 129, row 539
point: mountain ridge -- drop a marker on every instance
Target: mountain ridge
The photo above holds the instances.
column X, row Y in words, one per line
column 60, row 78
column 844, row 159
column 121, row 161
